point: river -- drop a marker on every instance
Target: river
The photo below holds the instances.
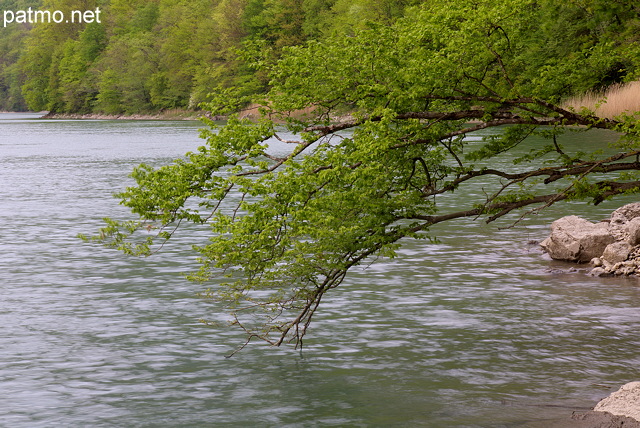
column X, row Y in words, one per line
column 478, row 330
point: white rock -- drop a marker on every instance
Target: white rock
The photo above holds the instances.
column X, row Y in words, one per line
column 620, row 218
column 576, row 239
column 624, row 402
column 617, row 252
column 633, row 230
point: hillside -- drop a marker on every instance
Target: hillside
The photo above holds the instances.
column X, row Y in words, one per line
column 153, row 55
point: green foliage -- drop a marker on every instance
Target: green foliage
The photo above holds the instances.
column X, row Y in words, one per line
column 11, row 47
column 77, row 86
column 109, row 94
column 172, row 54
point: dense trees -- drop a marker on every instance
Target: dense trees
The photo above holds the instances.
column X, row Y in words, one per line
column 287, row 227
column 149, row 55
column 11, row 48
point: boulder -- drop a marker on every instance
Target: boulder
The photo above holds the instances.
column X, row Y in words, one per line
column 616, row 252
column 618, row 224
column 576, row 239
column 624, row 402
column 600, row 271
column 633, row 231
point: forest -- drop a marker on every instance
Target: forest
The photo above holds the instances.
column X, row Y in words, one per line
column 157, row 55
column 153, row 55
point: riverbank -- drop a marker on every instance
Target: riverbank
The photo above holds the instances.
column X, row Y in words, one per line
column 251, row 112
column 164, row 115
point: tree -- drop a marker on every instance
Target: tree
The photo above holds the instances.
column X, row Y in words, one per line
column 77, row 89
column 287, row 228
column 166, row 54
column 349, row 16
column 56, row 59
column 11, row 47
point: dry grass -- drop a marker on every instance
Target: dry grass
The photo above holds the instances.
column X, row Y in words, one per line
column 617, row 99
column 253, row 112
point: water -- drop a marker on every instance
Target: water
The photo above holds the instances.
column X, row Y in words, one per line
column 479, row 330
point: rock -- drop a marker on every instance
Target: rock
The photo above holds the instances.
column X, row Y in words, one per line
column 624, row 269
column 633, row 230
column 624, row 402
column 617, row 252
column 599, row 271
column 612, row 246
column 576, row 239
column 620, row 219
column 635, row 253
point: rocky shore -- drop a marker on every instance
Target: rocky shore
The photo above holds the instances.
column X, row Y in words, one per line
column 619, row 410
column 611, row 246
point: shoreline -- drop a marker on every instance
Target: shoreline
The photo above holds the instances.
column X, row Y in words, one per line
column 168, row 115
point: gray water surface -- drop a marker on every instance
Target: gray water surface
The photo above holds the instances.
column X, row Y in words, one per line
column 478, row 330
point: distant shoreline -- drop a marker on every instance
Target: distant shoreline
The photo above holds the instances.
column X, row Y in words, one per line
column 167, row 115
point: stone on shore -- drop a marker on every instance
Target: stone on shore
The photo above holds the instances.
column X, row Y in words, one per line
column 575, row 239
column 633, row 229
column 620, row 219
column 624, row 402
column 621, row 409
column 616, row 252
column 612, row 247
